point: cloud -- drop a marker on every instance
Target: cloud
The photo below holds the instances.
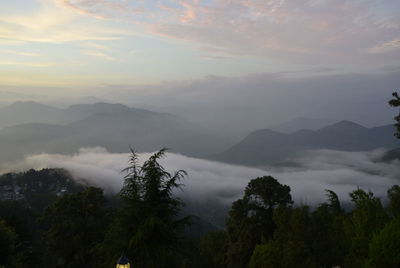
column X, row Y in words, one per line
column 19, row 53
column 306, row 32
column 190, row 13
column 311, row 31
column 12, row 96
column 97, row 50
column 53, row 24
column 386, row 47
column 101, row 9
column 208, row 181
column 29, row 64
column 99, row 54
column 75, row 7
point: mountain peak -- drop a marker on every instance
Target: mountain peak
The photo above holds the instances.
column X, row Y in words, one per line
column 99, row 107
column 265, row 132
column 300, row 123
column 344, row 125
column 28, row 105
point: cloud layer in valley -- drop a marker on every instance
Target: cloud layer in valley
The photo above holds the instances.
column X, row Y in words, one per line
column 208, row 181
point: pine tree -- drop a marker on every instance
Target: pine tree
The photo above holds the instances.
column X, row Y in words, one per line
column 395, row 102
column 148, row 226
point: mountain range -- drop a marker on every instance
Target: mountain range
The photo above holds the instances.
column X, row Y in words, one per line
column 300, row 123
column 30, row 128
column 266, row 147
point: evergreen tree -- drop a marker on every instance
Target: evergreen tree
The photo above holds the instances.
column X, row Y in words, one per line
column 250, row 219
column 367, row 218
column 76, row 225
column 212, row 248
column 384, row 247
column 394, row 201
column 148, row 226
column 395, row 102
column 329, row 244
column 293, row 237
column 20, row 217
column 8, row 254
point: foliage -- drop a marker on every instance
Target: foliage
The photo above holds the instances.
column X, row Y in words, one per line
column 147, row 225
column 367, row 218
column 293, row 237
column 328, row 228
column 264, row 229
column 24, row 224
column 394, row 201
column 212, row 247
column 384, row 247
column 76, row 225
column 250, row 218
column 25, row 195
column 395, row 102
column 7, row 246
column 266, row 256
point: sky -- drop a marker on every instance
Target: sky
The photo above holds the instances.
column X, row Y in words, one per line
column 66, row 46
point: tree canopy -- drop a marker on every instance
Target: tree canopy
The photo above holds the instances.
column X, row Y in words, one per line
column 148, row 225
column 395, row 102
column 76, row 225
column 250, row 219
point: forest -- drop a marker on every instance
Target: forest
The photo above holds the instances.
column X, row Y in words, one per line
column 84, row 228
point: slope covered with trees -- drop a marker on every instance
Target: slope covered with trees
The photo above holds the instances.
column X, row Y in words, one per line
column 265, row 228
column 268, row 147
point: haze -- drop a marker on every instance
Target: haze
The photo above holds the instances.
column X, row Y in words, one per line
column 247, row 82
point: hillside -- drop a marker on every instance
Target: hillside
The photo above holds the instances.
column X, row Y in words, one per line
column 28, row 112
column 301, row 123
column 264, row 147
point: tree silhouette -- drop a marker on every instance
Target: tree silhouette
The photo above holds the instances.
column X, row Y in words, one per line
column 148, row 226
column 250, row 219
column 76, row 225
column 395, row 102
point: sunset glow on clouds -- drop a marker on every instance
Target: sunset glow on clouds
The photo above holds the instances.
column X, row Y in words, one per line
column 126, row 41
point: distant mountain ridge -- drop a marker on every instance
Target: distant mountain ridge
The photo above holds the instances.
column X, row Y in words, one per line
column 44, row 128
column 23, row 112
column 37, row 128
column 302, row 123
column 265, row 147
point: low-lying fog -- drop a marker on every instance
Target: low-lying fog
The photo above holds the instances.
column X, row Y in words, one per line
column 209, row 181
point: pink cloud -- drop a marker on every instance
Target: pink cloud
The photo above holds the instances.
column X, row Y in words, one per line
column 70, row 5
column 310, row 31
column 307, row 31
column 190, row 12
column 100, row 9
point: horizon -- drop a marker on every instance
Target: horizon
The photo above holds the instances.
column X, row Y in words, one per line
column 244, row 64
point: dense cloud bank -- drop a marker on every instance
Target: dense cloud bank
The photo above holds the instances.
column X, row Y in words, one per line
column 208, row 181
